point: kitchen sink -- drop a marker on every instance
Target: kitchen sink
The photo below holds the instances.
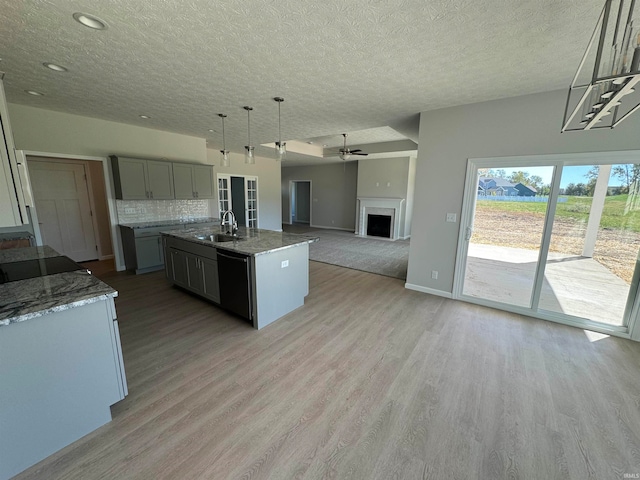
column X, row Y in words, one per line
column 219, row 237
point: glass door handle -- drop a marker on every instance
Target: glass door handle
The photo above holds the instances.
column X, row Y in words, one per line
column 468, row 234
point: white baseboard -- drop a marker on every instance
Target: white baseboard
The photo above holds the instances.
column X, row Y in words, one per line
column 431, row 291
column 333, row 228
column 105, row 257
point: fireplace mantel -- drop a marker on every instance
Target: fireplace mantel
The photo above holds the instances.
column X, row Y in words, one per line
column 376, row 205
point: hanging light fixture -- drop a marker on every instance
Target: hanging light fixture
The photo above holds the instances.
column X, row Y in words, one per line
column 225, row 153
column 249, row 157
column 281, row 147
column 603, row 92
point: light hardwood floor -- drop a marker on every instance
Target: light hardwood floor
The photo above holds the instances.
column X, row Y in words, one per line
column 368, row 380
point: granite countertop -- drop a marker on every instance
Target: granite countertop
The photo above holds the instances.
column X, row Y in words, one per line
column 167, row 223
column 35, row 297
column 16, row 235
column 253, row 241
column 27, row 253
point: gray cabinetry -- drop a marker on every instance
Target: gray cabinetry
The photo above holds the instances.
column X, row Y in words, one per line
column 193, row 181
column 194, row 268
column 148, row 252
column 143, row 250
column 138, row 179
column 160, row 180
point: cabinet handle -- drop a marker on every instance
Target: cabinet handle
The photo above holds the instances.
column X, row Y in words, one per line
column 197, row 195
column 151, row 194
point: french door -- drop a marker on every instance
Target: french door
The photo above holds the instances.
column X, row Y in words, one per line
column 556, row 237
column 245, row 191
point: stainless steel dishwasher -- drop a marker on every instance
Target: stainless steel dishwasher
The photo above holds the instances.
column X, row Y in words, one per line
column 234, row 273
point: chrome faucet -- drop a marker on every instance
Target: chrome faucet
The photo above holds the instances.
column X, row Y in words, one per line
column 233, row 223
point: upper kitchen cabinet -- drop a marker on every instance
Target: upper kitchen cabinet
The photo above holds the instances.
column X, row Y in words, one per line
column 193, row 181
column 138, row 179
column 13, row 211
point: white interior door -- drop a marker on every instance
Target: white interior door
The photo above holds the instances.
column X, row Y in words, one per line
column 62, row 203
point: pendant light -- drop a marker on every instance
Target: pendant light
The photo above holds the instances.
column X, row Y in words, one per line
column 249, row 157
column 281, row 147
column 225, row 153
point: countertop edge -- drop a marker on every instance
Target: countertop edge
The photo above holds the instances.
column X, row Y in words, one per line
column 224, row 245
column 58, row 308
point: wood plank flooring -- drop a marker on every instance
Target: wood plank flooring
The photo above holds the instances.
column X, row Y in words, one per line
column 367, row 381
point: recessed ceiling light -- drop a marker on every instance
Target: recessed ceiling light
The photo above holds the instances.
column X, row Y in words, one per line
column 310, row 143
column 211, row 130
column 90, row 21
column 145, row 116
column 325, row 145
column 34, row 93
column 54, row 67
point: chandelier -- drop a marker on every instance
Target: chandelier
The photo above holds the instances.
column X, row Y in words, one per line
column 603, row 92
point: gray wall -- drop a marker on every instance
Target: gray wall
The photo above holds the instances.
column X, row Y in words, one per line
column 55, row 132
column 375, row 173
column 389, row 178
column 411, row 188
column 526, row 125
column 333, row 190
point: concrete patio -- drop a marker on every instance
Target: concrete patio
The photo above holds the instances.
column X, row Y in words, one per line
column 573, row 285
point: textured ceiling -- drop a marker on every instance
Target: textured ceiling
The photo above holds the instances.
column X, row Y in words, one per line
column 342, row 66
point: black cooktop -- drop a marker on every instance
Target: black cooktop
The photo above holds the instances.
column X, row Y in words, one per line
column 12, row 272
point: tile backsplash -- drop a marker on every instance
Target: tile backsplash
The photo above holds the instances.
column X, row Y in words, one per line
column 132, row 211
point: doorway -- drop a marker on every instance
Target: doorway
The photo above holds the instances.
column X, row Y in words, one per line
column 239, row 194
column 557, row 238
column 300, row 194
column 61, row 198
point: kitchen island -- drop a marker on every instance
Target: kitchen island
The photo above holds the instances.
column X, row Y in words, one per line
column 60, row 355
column 260, row 275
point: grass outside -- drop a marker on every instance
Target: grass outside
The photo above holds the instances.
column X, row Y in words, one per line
column 520, row 225
column 617, row 213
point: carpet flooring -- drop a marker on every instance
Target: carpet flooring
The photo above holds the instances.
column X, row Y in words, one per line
column 345, row 249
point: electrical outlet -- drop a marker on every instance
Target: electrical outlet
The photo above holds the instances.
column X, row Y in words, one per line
column 284, row 264
column 451, row 217
column 129, row 210
column 434, row 274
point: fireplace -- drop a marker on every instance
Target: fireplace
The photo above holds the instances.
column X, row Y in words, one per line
column 391, row 209
column 379, row 225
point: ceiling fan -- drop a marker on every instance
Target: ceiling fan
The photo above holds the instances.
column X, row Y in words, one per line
column 344, row 153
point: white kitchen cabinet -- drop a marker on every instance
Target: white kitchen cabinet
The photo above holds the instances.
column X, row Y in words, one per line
column 13, row 211
column 139, row 179
column 192, row 181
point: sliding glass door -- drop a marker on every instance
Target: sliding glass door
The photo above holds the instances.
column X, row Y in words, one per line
column 504, row 242
column 557, row 240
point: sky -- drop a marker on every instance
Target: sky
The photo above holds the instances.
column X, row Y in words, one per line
column 570, row 174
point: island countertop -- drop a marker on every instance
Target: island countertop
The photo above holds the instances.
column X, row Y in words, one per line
column 252, row 241
column 34, row 297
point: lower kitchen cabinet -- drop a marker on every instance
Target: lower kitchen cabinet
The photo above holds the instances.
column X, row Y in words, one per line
column 194, row 272
column 142, row 249
column 211, row 286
